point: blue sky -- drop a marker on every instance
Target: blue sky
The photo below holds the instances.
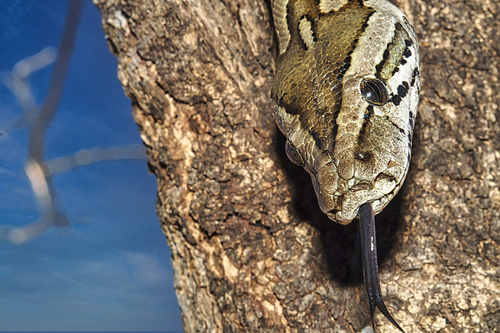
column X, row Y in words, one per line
column 109, row 271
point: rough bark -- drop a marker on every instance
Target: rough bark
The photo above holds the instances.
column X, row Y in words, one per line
column 250, row 248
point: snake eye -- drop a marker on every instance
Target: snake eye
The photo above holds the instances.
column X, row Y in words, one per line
column 293, row 153
column 374, row 91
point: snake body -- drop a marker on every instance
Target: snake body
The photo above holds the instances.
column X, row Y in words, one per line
column 346, row 89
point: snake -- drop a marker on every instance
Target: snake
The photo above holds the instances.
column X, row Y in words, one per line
column 346, row 92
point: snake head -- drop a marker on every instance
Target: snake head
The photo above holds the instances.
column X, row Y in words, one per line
column 370, row 155
column 347, row 88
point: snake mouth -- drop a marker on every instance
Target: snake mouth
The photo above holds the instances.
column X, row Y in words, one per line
column 335, row 215
column 342, row 206
column 383, row 176
column 332, row 215
column 361, row 187
column 381, row 179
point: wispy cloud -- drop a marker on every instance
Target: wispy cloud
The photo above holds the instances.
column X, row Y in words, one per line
column 11, row 12
column 104, row 289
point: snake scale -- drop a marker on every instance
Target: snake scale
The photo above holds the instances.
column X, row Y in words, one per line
column 346, row 89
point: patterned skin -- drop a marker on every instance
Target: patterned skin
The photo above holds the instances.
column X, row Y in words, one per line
column 356, row 149
column 346, row 91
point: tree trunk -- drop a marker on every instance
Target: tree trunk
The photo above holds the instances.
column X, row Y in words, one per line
column 251, row 250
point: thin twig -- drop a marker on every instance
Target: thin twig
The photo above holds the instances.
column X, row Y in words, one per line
column 38, row 170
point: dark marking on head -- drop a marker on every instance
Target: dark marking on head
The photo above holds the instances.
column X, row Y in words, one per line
column 369, row 112
column 292, row 107
column 402, row 131
column 403, row 89
column 365, row 128
column 289, row 22
column 319, row 137
column 410, row 138
column 405, row 19
column 345, row 66
column 347, row 61
column 386, row 54
column 396, row 100
column 407, row 53
column 414, row 76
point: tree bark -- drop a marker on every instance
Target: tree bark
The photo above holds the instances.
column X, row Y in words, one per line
column 251, row 250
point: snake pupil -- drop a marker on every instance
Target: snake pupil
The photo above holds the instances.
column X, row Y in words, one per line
column 374, row 91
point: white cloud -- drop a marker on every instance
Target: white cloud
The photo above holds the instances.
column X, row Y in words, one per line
column 149, row 270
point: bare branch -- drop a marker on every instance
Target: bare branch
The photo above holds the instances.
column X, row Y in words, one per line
column 38, row 170
column 85, row 157
column 32, row 230
column 49, row 108
column 18, row 82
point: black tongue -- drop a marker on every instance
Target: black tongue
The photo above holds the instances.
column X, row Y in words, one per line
column 368, row 240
